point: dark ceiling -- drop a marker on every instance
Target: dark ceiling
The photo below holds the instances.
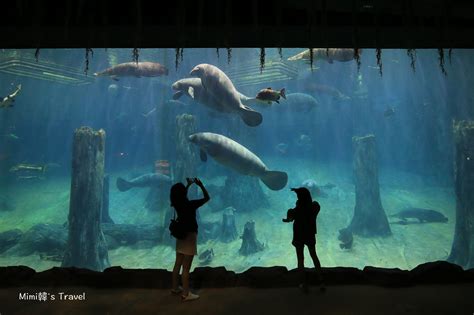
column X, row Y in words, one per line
column 226, row 23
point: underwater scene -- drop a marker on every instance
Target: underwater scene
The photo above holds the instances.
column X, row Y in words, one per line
column 250, row 127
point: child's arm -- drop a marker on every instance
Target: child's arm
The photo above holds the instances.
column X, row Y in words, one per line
column 289, row 216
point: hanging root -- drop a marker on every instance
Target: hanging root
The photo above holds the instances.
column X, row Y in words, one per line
column 262, row 59
column 181, row 56
column 450, row 51
column 37, row 52
column 412, row 54
column 217, row 53
column 311, row 58
column 135, row 54
column 91, row 52
column 229, row 55
column 441, row 60
column 280, row 53
column 378, row 54
column 357, row 58
column 176, row 59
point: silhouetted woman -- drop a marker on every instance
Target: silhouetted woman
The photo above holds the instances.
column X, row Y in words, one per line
column 186, row 248
column 304, row 217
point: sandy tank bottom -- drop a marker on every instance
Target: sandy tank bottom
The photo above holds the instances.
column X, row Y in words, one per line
column 409, row 245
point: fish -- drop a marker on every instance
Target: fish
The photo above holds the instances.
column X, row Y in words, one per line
column 149, row 113
column 328, row 54
column 29, row 177
column 389, row 112
column 30, row 168
column 147, row 180
column 303, row 141
column 11, row 136
column 269, row 95
column 206, row 256
column 282, row 148
column 326, row 89
column 8, row 100
column 134, row 69
column 218, row 84
column 237, row 157
column 422, row 215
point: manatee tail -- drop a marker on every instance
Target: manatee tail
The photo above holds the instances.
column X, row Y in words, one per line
column 123, row 185
column 283, row 93
column 253, row 102
column 250, row 117
column 275, row 180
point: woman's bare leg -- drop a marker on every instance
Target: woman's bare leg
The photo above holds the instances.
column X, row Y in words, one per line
column 187, row 262
column 177, row 267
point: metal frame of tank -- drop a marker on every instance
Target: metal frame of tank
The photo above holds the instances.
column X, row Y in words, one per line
column 25, row 64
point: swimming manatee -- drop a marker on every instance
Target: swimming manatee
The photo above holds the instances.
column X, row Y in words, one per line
column 300, row 102
column 193, row 88
column 218, row 84
column 422, row 215
column 147, row 180
column 237, row 157
column 134, row 69
column 328, row 54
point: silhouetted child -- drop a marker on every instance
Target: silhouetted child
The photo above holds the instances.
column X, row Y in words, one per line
column 304, row 217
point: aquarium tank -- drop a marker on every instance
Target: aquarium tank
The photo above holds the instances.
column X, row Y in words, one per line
column 368, row 132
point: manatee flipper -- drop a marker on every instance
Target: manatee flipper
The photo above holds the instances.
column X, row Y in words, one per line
column 123, row 185
column 177, row 95
column 202, row 155
column 275, row 180
column 250, row 117
column 191, row 92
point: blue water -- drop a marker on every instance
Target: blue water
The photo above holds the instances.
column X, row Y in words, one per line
column 410, row 113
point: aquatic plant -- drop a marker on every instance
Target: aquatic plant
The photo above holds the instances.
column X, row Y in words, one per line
column 176, row 60
column 135, row 54
column 378, row 54
column 412, row 54
column 357, row 58
column 262, row 59
column 91, row 52
column 229, row 54
column 441, row 60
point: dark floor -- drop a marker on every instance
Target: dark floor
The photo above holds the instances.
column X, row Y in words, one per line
column 340, row 299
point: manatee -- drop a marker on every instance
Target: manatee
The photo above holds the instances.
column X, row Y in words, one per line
column 218, row 84
column 300, row 102
column 193, row 88
column 422, row 215
column 328, row 54
column 147, row 180
column 134, row 69
column 235, row 156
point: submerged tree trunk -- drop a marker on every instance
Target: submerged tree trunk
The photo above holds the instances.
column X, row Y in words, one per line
column 369, row 216
column 228, row 229
column 186, row 157
column 86, row 247
column 462, row 251
column 250, row 243
column 105, row 202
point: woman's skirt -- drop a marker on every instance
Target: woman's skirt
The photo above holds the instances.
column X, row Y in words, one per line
column 188, row 245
